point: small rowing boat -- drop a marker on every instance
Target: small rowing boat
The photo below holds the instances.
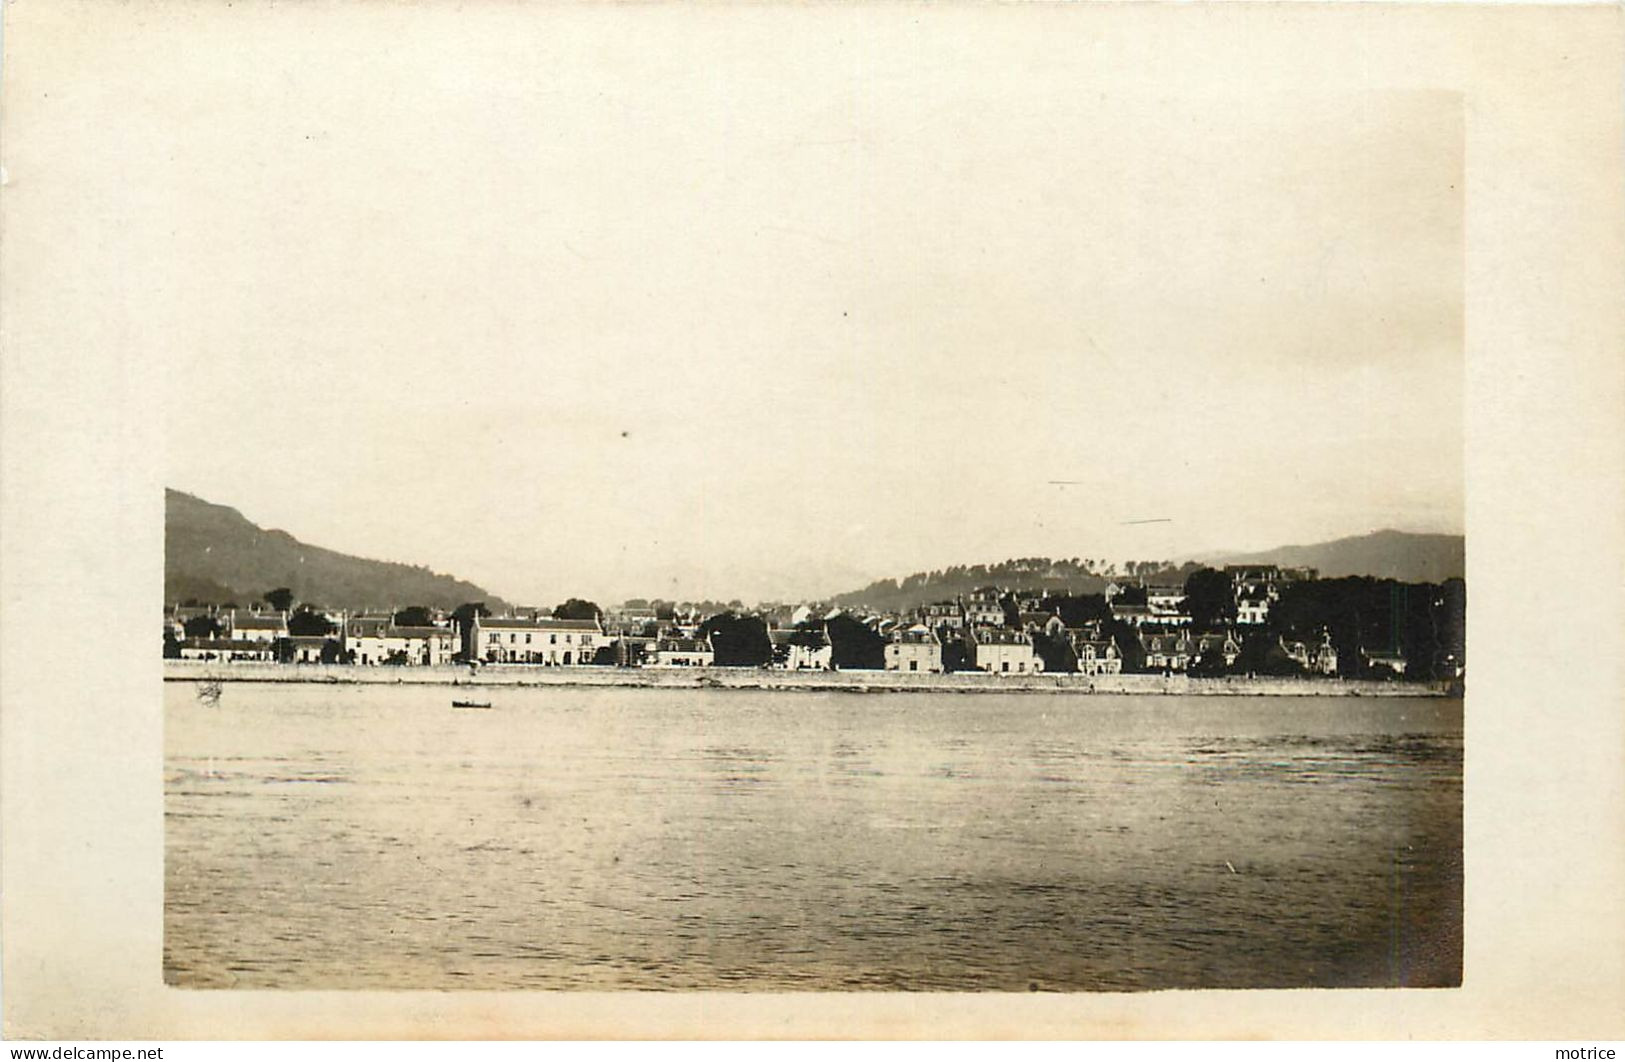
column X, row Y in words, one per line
column 471, row 704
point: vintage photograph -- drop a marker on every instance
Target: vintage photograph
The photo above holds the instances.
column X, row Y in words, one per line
column 892, row 536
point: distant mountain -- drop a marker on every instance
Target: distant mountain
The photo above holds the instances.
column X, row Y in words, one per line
column 1401, row 555
column 213, row 554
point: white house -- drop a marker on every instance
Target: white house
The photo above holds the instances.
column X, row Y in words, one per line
column 1097, row 656
column 682, row 652
column 1004, row 652
column 537, row 640
column 1164, row 600
column 1252, row 606
column 245, row 626
column 376, row 640
column 914, row 648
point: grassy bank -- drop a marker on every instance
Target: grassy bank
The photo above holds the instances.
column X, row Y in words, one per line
column 766, row 679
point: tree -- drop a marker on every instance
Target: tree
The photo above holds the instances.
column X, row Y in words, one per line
column 577, row 609
column 333, row 652
column 1209, row 598
column 202, row 627
column 172, row 645
column 1127, row 640
column 1078, row 610
column 464, row 615
column 1056, row 652
column 809, row 634
column 1263, row 654
column 282, row 650
column 414, row 616
column 1012, row 611
column 1131, row 595
column 1208, row 665
column 308, row 623
column 738, row 641
column 854, row 645
column 280, row 599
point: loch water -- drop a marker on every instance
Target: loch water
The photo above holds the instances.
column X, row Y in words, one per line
column 372, row 836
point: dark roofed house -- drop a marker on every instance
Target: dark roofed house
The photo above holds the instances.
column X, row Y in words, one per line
column 1166, row 650
column 1223, row 643
column 683, row 652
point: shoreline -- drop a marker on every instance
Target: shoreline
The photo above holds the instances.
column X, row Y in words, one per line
column 728, row 678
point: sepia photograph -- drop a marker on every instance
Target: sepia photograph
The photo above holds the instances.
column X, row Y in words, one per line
column 893, row 519
column 891, row 541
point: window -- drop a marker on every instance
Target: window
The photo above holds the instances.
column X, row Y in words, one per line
column 552, row 639
column 914, row 665
column 495, row 636
column 527, row 639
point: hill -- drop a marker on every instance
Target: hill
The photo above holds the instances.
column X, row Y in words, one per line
column 213, row 554
column 1029, row 574
column 1401, row 555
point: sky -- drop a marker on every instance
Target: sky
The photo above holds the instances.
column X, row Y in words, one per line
column 585, row 315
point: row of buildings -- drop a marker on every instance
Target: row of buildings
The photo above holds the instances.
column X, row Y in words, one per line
column 988, row 630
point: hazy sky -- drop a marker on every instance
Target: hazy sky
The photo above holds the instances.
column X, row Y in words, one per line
column 589, row 315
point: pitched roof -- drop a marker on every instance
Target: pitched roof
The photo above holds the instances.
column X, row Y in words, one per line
column 520, row 623
column 682, row 645
column 258, row 623
column 999, row 636
column 375, row 628
column 1164, row 641
column 915, row 635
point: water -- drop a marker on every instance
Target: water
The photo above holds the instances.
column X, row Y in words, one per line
column 373, row 837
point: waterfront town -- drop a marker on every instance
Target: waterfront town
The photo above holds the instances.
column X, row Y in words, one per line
column 1257, row 620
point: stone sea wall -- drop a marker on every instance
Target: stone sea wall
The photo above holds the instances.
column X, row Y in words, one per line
column 761, row 678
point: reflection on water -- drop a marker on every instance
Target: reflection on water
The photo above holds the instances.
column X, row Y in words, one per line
column 371, row 837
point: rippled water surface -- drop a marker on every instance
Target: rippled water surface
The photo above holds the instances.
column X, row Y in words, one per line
column 374, row 837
